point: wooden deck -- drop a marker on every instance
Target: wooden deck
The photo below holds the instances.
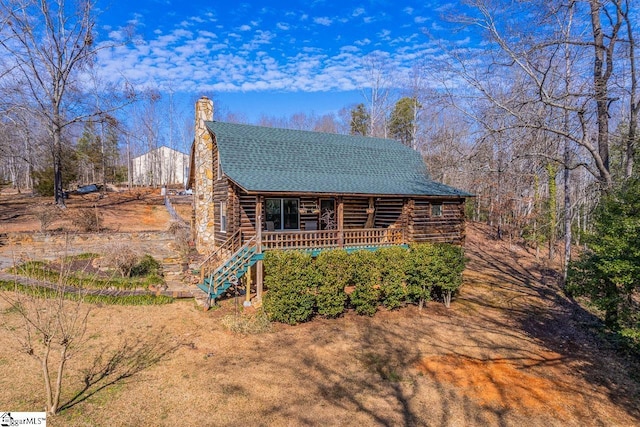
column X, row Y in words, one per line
column 329, row 239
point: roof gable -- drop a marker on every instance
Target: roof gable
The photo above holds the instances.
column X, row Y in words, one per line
column 261, row 159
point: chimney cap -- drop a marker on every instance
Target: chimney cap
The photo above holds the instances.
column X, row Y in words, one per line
column 204, row 97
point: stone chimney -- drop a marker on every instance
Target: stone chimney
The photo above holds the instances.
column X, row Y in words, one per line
column 204, row 156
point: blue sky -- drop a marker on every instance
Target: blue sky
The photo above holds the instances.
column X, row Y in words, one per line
column 274, row 58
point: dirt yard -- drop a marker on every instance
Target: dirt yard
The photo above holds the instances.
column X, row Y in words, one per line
column 510, row 351
column 125, row 211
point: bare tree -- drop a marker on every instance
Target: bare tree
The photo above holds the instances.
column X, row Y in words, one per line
column 50, row 45
column 51, row 329
column 376, row 91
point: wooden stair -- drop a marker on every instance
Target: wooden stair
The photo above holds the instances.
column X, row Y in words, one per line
column 230, row 271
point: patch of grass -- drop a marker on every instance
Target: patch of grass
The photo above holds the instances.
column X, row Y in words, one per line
column 142, row 299
column 41, row 270
column 256, row 323
column 81, row 257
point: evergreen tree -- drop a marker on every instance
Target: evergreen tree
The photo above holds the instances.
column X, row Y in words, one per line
column 403, row 120
column 608, row 272
column 360, row 120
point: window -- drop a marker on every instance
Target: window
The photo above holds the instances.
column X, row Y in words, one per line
column 218, row 166
column 223, row 217
column 436, row 209
column 284, row 214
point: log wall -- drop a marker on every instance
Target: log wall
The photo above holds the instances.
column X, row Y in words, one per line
column 413, row 215
column 355, row 212
column 423, row 227
column 389, row 213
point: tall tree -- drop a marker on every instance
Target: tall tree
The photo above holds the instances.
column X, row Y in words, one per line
column 359, row 120
column 50, row 44
column 609, row 271
column 376, row 91
column 555, row 92
column 402, row 123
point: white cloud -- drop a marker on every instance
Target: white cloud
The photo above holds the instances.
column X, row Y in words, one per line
column 323, row 20
column 445, row 7
column 208, row 34
column 116, row 35
column 359, row 11
column 226, row 60
column 420, row 19
column 368, row 19
column 384, row 34
column 408, row 10
column 362, row 42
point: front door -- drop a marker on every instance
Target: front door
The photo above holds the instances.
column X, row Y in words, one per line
column 328, row 214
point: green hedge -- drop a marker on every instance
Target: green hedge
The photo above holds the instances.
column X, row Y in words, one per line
column 365, row 298
column 334, row 275
column 300, row 286
column 291, row 281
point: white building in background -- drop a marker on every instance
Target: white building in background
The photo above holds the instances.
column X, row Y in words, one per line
column 160, row 166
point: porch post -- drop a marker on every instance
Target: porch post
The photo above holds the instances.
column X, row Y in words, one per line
column 340, row 222
column 408, row 231
column 259, row 266
column 247, row 293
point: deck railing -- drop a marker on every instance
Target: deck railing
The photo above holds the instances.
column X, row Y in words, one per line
column 217, row 257
column 323, row 239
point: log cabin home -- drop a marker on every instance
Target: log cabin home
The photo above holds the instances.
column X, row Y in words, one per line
column 258, row 189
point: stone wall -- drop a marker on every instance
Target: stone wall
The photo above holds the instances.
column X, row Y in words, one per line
column 18, row 247
column 203, row 177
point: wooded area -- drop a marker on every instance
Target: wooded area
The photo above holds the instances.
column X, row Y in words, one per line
column 538, row 119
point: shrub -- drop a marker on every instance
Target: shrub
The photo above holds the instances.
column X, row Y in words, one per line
column 146, row 266
column 447, row 266
column 88, row 219
column 123, row 258
column 393, row 276
column 182, row 237
column 47, row 215
column 420, row 278
column 366, row 279
column 290, row 281
column 436, row 266
column 334, row 271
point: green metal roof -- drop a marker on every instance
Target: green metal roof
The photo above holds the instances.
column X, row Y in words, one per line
column 262, row 159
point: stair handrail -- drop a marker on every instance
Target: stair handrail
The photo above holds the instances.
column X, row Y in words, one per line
column 242, row 248
column 224, row 247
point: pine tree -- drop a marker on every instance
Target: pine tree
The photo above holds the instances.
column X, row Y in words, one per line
column 359, row 120
column 403, row 120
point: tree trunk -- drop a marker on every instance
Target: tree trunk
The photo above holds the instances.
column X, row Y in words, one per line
column 58, row 192
column 634, row 104
column 600, row 83
column 58, row 388
column 553, row 215
column 567, row 218
column 447, row 298
column 611, row 311
column 44, row 362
